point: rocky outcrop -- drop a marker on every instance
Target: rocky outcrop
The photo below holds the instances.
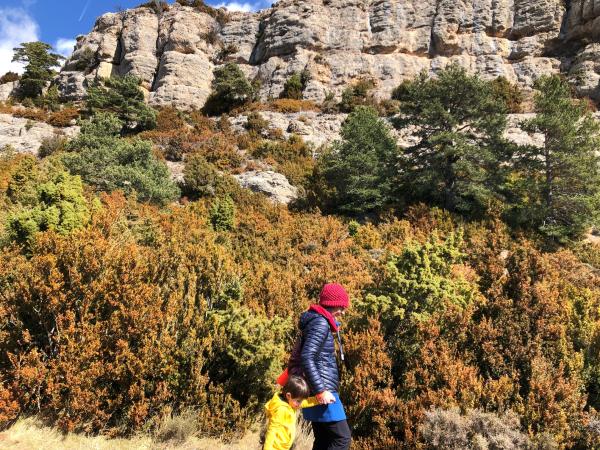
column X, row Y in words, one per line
column 339, row 41
column 274, row 185
column 315, row 128
column 8, row 90
column 26, row 136
column 322, row 129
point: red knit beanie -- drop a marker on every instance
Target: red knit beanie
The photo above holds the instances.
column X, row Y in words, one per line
column 333, row 295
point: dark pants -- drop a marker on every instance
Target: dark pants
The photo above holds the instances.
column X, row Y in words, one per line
column 331, row 435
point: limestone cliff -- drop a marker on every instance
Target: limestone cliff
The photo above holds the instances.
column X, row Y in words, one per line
column 338, row 41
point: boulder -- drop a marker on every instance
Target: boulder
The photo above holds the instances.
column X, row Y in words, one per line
column 274, row 185
column 7, row 90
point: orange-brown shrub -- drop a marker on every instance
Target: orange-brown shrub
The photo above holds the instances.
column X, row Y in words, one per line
column 63, row 117
column 168, row 119
column 113, row 326
column 85, row 284
column 292, row 157
column 217, row 148
column 176, row 139
column 287, row 105
column 9, row 77
column 201, row 122
column 371, row 403
column 29, row 113
column 149, row 278
column 9, row 406
column 283, row 105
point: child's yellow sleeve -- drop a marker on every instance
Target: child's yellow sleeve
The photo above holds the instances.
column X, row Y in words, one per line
column 309, row 402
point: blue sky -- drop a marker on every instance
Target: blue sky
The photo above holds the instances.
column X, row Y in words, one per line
column 57, row 22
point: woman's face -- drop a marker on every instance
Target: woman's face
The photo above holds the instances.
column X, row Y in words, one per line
column 338, row 313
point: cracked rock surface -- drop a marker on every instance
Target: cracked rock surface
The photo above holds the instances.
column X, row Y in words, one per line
column 338, row 41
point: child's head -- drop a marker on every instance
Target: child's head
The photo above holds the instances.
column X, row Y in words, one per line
column 295, row 391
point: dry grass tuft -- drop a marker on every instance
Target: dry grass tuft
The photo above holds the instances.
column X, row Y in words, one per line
column 175, row 433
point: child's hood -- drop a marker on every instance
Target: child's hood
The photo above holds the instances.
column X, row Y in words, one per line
column 275, row 404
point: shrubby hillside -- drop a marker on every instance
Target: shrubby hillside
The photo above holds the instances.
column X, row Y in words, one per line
column 139, row 280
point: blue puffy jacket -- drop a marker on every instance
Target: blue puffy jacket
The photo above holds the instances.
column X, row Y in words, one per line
column 314, row 354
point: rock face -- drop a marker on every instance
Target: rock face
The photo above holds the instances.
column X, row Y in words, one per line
column 322, row 129
column 315, row 128
column 26, row 136
column 7, row 90
column 339, row 41
column 274, row 185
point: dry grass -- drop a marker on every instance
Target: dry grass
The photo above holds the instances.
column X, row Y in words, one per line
column 61, row 118
column 175, row 434
column 282, row 105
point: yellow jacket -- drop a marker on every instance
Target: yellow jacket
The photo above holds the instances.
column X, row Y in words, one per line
column 281, row 427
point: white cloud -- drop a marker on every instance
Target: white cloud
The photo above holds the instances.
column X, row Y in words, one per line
column 235, row 6
column 65, row 46
column 16, row 27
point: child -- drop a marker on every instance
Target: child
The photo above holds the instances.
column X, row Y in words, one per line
column 281, row 413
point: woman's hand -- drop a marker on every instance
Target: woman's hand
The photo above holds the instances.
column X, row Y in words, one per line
column 325, row 398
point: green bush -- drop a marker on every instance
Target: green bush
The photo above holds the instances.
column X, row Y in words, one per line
column 86, row 59
column 248, row 352
column 356, row 95
column 295, row 85
column 52, row 145
column 292, row 157
column 230, row 89
column 108, row 162
column 353, row 228
column 122, row 96
column 256, row 122
column 50, row 101
column 413, row 287
column 222, row 214
column 202, row 178
column 509, row 94
column 59, row 206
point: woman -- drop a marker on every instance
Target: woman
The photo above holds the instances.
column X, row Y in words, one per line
column 314, row 358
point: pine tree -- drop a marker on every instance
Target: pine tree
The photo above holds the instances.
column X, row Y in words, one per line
column 39, row 69
column 123, row 97
column 560, row 181
column 361, row 166
column 459, row 124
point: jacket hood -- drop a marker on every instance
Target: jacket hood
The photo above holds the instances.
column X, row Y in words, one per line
column 274, row 404
column 314, row 312
column 307, row 317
